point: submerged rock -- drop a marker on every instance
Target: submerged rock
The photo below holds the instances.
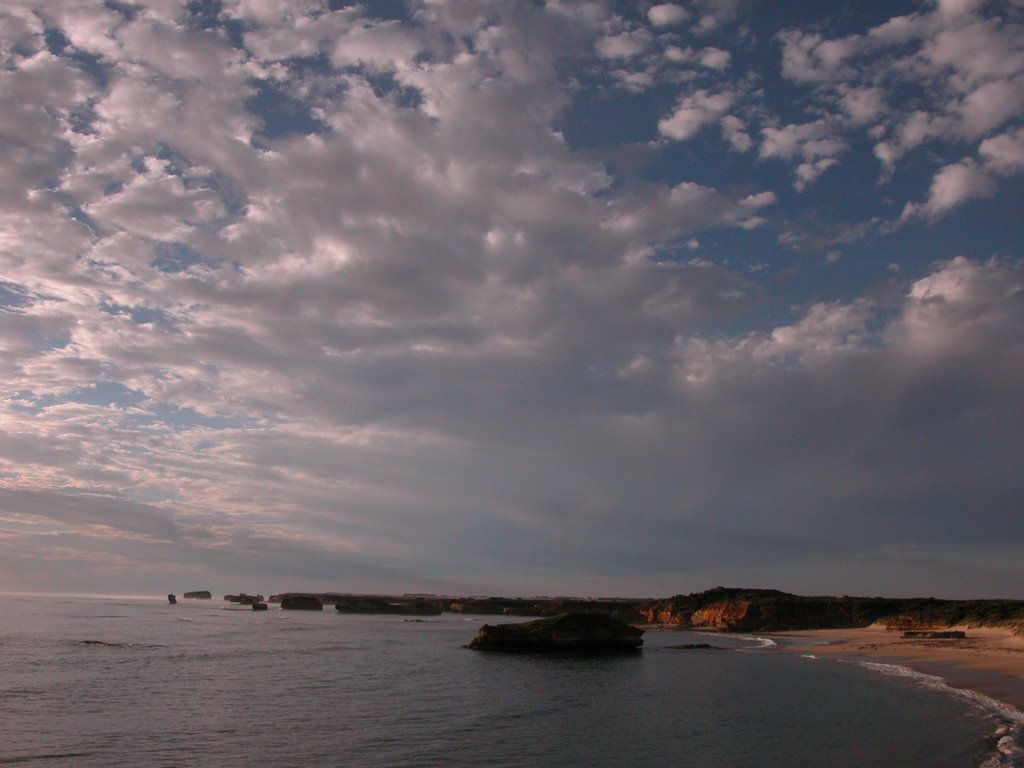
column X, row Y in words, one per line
column 587, row 632
column 694, row 647
column 302, row 603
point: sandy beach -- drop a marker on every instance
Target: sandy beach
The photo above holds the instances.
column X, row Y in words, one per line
column 988, row 661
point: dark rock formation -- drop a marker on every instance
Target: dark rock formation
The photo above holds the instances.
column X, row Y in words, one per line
column 105, row 644
column 587, row 632
column 694, row 647
column 301, row 603
column 259, row 606
column 932, row 635
column 244, row 599
column 172, row 600
column 200, row 595
column 366, row 604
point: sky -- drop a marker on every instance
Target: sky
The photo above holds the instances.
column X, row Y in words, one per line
column 528, row 297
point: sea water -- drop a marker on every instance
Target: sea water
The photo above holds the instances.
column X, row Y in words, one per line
column 122, row 682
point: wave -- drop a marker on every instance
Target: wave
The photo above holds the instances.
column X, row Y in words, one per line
column 1007, row 735
column 105, row 644
column 762, row 642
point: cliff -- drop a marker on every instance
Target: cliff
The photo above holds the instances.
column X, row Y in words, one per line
column 767, row 610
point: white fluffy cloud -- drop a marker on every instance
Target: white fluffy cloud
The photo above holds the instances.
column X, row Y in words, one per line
column 667, row 14
column 966, row 67
column 1004, row 153
column 694, row 112
column 951, row 186
column 816, row 144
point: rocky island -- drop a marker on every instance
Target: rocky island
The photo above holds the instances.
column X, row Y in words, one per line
column 568, row 632
column 301, row 603
column 379, row 605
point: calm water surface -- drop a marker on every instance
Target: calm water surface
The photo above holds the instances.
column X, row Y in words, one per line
column 196, row 684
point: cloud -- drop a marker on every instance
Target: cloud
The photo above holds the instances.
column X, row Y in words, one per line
column 952, row 186
column 667, row 14
column 966, row 67
column 1004, row 153
column 816, row 144
column 624, row 45
column 925, row 355
column 311, row 293
column 714, row 58
column 809, row 57
column 693, row 112
column 862, row 105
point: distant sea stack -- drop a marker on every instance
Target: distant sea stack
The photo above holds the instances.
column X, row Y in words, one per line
column 203, row 594
column 244, row 599
column 367, row 604
column 301, row 603
column 172, row 600
column 569, row 632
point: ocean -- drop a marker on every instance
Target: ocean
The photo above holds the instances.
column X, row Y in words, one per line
column 131, row 682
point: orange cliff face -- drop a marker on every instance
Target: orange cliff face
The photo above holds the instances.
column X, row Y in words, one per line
column 728, row 616
column 660, row 613
column 724, row 615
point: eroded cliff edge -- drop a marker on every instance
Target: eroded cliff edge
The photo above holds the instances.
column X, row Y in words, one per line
column 768, row 610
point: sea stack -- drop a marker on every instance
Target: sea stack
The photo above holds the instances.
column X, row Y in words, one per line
column 302, row 603
column 568, row 632
column 172, row 600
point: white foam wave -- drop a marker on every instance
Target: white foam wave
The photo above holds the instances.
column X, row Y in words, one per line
column 1009, row 753
column 762, row 642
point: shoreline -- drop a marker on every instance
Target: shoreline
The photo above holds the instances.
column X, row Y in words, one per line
column 989, row 661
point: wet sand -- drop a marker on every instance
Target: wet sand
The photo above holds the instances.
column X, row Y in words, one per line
column 988, row 661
